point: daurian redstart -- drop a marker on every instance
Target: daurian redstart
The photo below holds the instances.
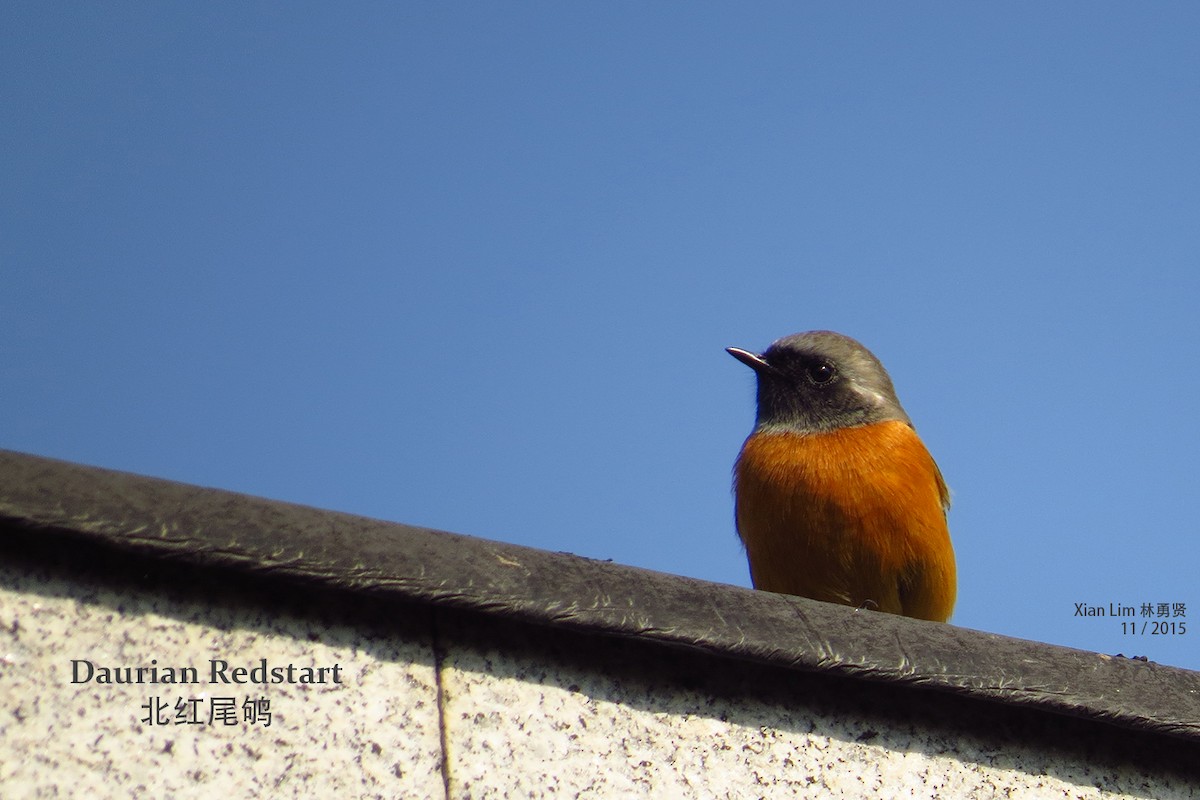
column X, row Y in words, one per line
column 837, row 498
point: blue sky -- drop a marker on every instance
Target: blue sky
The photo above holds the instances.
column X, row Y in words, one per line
column 474, row 266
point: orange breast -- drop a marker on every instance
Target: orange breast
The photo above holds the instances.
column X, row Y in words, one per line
column 855, row 516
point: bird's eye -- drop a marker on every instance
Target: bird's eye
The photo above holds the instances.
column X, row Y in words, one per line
column 821, row 373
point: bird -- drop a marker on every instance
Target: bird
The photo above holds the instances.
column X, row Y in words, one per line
column 836, row 497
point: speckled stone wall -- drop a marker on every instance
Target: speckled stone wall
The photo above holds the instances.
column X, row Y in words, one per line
column 374, row 734
column 531, row 715
column 519, row 711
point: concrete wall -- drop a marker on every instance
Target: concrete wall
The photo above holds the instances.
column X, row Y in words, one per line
column 515, row 710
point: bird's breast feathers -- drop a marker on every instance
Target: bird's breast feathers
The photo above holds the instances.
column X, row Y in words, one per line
column 854, row 516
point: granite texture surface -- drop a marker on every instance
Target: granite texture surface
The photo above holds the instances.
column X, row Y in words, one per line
column 531, row 716
column 373, row 734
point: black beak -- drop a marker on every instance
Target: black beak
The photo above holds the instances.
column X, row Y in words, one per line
column 754, row 362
